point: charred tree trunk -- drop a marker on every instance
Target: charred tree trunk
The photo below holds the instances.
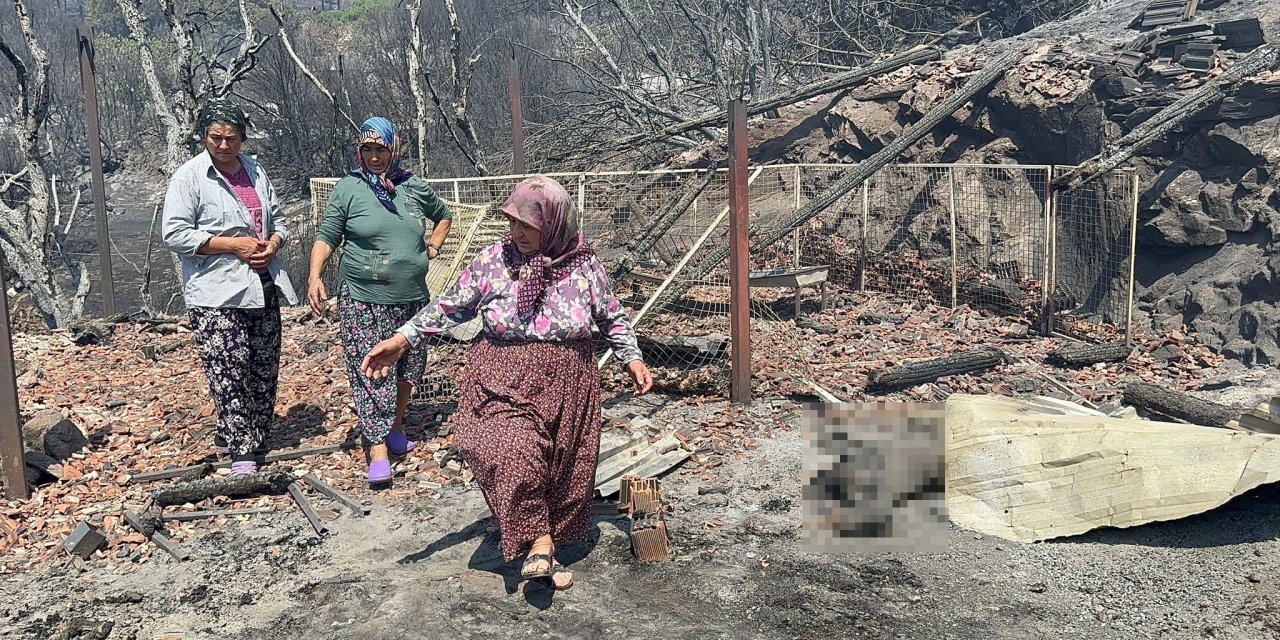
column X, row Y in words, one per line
column 293, row 55
column 29, row 232
column 1210, row 93
column 453, row 109
column 415, row 83
column 177, row 123
column 197, row 490
column 764, row 238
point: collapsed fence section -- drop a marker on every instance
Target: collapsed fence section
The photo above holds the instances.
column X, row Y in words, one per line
column 990, row 237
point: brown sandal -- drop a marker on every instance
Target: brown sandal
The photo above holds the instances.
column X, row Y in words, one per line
column 537, row 557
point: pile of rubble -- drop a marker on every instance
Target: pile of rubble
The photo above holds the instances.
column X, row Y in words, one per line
column 1175, row 45
column 101, row 452
column 143, row 402
column 860, row 334
column 877, row 333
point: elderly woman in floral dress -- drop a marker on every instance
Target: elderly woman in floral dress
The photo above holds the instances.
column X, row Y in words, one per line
column 529, row 413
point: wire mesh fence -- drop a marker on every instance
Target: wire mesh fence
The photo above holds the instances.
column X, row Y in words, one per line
column 1092, row 256
column 942, row 234
column 993, row 237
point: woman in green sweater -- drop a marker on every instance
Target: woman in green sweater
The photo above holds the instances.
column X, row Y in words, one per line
column 379, row 214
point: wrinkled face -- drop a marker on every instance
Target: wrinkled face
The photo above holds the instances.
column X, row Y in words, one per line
column 223, row 142
column 376, row 157
column 528, row 238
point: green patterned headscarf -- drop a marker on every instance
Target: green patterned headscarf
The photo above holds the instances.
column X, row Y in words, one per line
column 220, row 111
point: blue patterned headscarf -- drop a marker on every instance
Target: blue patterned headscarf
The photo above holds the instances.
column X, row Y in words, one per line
column 381, row 131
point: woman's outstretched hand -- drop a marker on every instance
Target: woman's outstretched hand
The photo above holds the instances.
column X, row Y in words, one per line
column 383, row 356
column 641, row 379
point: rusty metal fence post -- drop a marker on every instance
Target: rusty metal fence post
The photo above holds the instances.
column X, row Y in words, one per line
column 12, row 457
column 582, row 197
column 739, row 248
column 88, row 78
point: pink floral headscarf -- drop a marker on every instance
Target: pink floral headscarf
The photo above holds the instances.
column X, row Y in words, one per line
column 544, row 204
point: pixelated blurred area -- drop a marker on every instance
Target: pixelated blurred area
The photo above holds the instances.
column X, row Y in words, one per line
column 875, row 478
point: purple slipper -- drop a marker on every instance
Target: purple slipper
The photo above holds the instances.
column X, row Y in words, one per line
column 379, row 471
column 244, row 468
column 398, row 443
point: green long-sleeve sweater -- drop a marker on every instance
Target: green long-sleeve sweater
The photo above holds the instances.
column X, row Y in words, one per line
column 384, row 259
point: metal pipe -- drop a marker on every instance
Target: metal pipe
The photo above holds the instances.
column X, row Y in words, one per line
column 951, row 209
column 866, row 211
column 12, row 456
column 739, row 251
column 1133, row 259
column 795, row 239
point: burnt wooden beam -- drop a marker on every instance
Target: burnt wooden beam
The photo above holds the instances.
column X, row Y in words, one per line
column 326, row 489
column 1088, row 355
column 193, row 491
column 913, row 373
column 654, row 232
column 230, row 486
column 1177, row 405
column 299, row 497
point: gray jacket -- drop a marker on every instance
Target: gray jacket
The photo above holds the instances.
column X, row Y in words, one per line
column 200, row 205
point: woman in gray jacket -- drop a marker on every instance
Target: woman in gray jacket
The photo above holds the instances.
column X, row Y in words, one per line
column 221, row 216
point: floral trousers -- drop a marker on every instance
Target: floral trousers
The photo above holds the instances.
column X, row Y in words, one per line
column 240, row 349
column 363, row 325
